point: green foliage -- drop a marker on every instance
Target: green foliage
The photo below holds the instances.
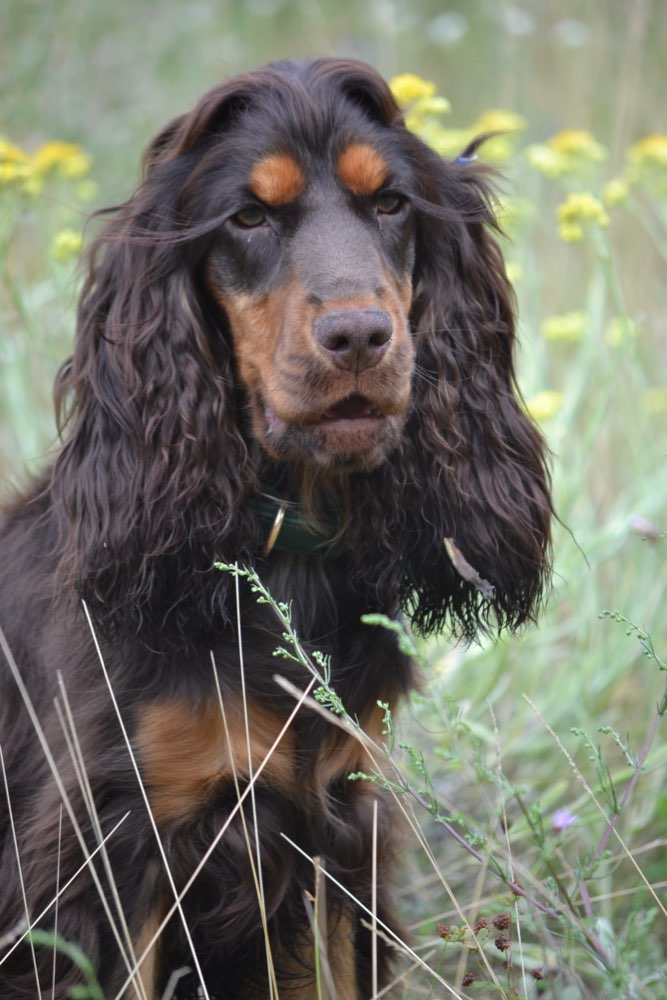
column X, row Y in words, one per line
column 90, row 989
column 561, row 897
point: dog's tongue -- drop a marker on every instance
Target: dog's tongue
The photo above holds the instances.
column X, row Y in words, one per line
column 352, row 408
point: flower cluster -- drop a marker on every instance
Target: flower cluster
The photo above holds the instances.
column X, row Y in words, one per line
column 647, row 164
column 26, row 175
column 408, row 88
column 425, row 108
column 580, row 211
column 575, row 160
column 14, row 163
column 574, row 155
column 28, row 172
column 572, row 151
column 651, row 151
column 66, row 244
column 65, row 159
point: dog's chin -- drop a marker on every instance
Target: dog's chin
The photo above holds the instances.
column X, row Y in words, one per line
column 355, row 442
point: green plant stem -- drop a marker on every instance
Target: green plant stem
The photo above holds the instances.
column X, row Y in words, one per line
column 593, row 940
column 629, row 788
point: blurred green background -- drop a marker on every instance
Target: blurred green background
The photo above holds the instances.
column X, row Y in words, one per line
column 593, row 337
column 108, row 74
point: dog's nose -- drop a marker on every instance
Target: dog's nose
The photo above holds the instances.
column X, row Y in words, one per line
column 354, row 339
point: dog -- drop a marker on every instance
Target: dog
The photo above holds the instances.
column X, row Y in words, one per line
column 294, row 354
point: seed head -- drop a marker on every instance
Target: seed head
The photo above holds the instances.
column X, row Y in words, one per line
column 503, row 921
column 502, row 943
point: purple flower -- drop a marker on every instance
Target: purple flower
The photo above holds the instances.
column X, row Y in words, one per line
column 561, row 819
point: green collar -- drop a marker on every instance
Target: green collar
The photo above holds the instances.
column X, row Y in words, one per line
column 287, row 528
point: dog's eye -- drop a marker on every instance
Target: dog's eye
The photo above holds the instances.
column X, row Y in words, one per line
column 250, row 217
column 388, row 203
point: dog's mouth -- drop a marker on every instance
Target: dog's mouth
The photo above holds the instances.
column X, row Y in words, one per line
column 353, row 432
column 352, row 413
column 352, row 408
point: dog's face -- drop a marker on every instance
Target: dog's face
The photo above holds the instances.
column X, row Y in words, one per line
column 313, row 269
column 299, row 279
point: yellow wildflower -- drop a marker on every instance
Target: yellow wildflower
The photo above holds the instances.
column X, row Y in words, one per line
column 407, row 87
column 578, row 144
column 434, row 106
column 654, row 399
column 424, row 114
column 10, row 153
column 424, row 105
column 577, row 211
column 615, row 191
column 648, row 164
column 650, row 151
column 64, row 158
column 583, row 206
column 568, row 327
column 570, row 232
column 66, row 244
column 497, row 120
column 13, row 170
column 544, row 405
column 14, row 163
column 571, row 151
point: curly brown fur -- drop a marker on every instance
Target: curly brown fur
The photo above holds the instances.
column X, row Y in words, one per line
column 300, row 297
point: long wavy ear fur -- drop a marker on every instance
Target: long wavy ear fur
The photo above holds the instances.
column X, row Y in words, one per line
column 477, row 471
column 147, row 403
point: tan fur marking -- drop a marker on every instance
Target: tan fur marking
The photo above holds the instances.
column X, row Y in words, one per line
column 362, row 169
column 337, row 958
column 148, row 970
column 341, row 956
column 277, row 179
column 186, row 753
column 345, row 754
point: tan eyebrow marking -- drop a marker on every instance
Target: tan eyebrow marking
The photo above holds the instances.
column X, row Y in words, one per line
column 277, row 179
column 362, row 169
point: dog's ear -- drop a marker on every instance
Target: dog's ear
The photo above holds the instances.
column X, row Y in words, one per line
column 154, row 463
column 478, row 486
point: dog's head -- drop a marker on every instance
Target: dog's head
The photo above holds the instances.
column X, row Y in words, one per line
column 300, row 281
column 313, row 269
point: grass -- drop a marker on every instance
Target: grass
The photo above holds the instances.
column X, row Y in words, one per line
column 531, row 772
